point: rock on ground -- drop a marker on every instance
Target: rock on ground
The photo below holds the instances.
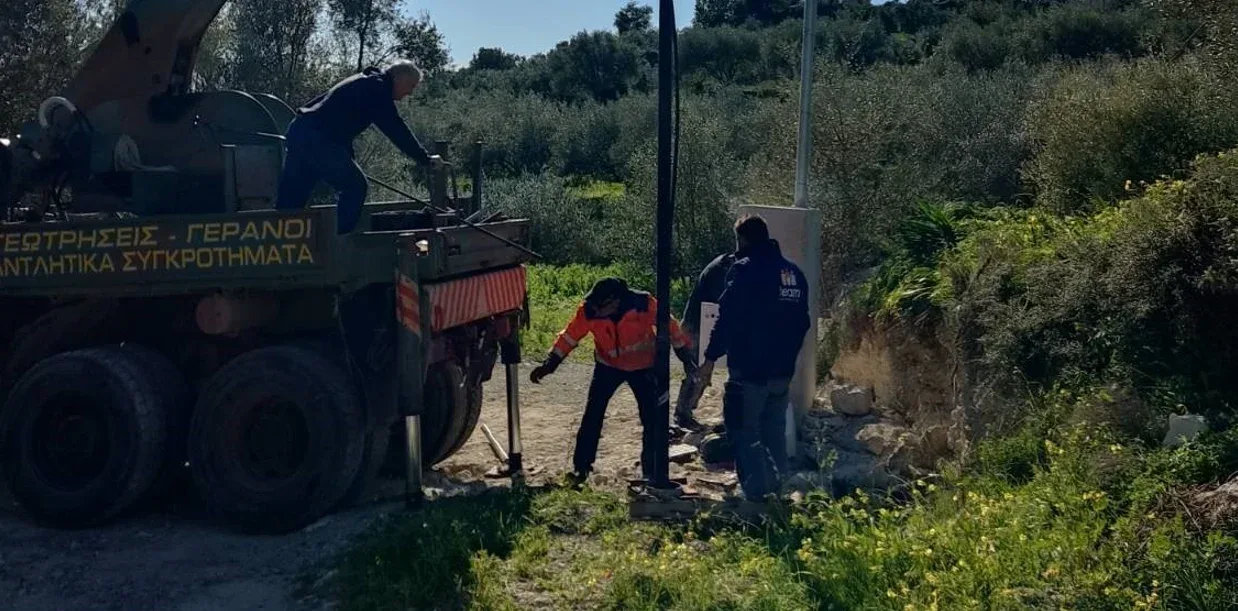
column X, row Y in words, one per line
column 852, row 400
column 883, row 439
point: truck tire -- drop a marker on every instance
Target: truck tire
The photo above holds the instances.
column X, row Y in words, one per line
column 443, row 419
column 173, row 394
column 446, row 411
column 372, row 462
column 473, row 404
column 85, row 435
column 276, row 439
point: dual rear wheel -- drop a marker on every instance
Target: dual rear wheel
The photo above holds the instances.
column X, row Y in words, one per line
column 277, row 438
column 86, row 433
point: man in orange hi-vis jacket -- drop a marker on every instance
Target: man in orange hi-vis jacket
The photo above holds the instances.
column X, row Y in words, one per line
column 623, row 323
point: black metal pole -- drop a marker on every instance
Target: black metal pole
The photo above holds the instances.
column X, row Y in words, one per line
column 659, row 471
column 510, row 352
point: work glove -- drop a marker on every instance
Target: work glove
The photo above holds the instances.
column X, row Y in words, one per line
column 545, row 369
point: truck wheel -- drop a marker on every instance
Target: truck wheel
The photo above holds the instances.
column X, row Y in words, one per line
column 472, row 416
column 373, row 461
column 84, row 436
column 276, row 439
column 172, row 391
column 446, row 411
column 444, row 417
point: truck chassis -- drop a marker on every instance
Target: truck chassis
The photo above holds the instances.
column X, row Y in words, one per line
column 272, row 359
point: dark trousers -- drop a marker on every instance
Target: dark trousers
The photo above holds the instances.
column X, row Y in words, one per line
column 684, row 405
column 313, row 157
column 653, row 418
column 755, row 414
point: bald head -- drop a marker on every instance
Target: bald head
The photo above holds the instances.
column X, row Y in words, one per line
column 405, row 77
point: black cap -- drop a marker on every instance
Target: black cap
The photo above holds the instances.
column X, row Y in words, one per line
column 606, row 289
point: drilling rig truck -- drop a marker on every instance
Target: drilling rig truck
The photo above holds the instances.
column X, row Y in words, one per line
column 159, row 316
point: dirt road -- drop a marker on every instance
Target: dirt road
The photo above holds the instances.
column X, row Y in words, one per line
column 178, row 559
column 550, row 413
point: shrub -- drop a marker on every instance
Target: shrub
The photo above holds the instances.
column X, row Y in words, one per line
column 1108, row 126
column 908, row 283
column 1136, row 294
column 566, row 228
column 897, row 136
column 709, row 177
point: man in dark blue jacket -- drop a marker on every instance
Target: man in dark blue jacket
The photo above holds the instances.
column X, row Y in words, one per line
column 762, row 319
column 319, row 141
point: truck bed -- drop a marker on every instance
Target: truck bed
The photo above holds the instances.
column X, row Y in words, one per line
column 260, row 250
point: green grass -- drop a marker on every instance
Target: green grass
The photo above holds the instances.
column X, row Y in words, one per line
column 600, row 190
column 1088, row 528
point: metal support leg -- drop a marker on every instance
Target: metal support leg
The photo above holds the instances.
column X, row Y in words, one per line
column 413, row 493
column 511, row 361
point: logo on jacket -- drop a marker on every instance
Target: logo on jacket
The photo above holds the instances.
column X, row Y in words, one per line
column 789, row 290
column 788, row 277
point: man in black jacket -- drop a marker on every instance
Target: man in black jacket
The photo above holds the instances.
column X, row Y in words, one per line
column 319, row 141
column 763, row 316
column 709, row 287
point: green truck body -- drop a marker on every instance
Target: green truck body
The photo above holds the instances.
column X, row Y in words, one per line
column 263, row 249
column 410, row 310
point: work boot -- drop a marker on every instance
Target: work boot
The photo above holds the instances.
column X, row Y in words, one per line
column 685, row 420
column 576, row 480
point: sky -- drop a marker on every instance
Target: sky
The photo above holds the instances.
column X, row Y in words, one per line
column 524, row 27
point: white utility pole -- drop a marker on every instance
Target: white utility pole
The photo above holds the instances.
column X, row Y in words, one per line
column 798, row 232
column 803, row 156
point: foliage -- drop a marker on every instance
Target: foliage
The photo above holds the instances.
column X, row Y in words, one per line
column 366, row 22
column 1136, row 294
column 592, row 65
column 271, row 46
column 1065, row 31
column 1105, row 127
column 908, row 283
column 705, row 204
column 42, row 41
column 1214, row 19
column 418, row 39
column 710, row 13
column 722, row 55
column 493, row 58
column 420, row 563
column 633, row 17
column 898, row 135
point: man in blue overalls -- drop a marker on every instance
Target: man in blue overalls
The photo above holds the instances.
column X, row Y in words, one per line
column 319, row 141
